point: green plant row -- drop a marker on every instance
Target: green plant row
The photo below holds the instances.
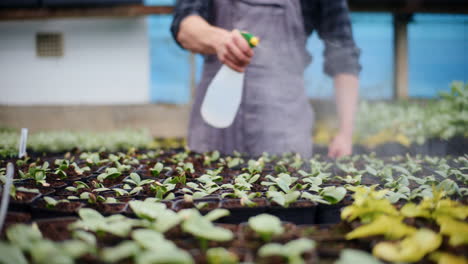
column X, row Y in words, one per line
column 67, row 141
column 442, row 118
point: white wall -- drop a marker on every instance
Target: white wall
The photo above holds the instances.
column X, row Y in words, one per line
column 106, row 61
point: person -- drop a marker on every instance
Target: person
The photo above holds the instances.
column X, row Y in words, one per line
column 275, row 115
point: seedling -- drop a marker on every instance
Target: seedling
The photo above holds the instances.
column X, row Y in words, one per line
column 110, row 173
column 283, row 199
column 210, row 158
column 202, row 227
column 52, row 203
column 91, row 220
column 157, row 168
column 283, row 182
column 38, row 173
column 134, row 179
column 266, row 226
column 221, row 256
column 292, row 250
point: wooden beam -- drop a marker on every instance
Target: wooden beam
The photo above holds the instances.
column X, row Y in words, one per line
column 112, row 11
column 400, row 23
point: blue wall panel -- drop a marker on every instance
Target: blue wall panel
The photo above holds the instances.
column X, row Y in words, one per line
column 170, row 68
column 438, row 53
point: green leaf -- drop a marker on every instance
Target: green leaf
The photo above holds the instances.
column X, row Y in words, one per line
column 24, row 236
column 47, row 252
column 76, row 248
column 124, row 250
column 216, row 214
column 292, row 250
column 267, row 226
column 11, row 254
column 333, row 194
column 221, row 256
column 202, row 227
column 351, row 256
column 175, row 256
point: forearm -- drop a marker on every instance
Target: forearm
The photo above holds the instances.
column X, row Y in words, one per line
column 197, row 35
column 346, row 93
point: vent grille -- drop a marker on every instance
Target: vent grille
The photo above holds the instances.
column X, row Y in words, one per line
column 49, row 44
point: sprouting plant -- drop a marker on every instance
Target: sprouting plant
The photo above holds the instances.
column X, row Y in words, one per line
column 221, row 256
column 157, row 249
column 244, row 196
column 297, row 162
column 91, row 220
column 201, row 190
column 351, row 179
column 163, row 191
column 93, row 158
column 110, row 173
column 135, row 180
column 23, row 161
column 292, row 250
column 232, row 161
column 14, row 190
column 255, row 166
column 283, row 199
column 349, row 169
column 160, row 218
column 283, row 182
column 356, row 256
column 78, row 185
column 157, row 169
column 36, row 172
column 210, row 158
column 51, row 202
column 266, row 226
column 202, row 227
column 243, row 181
column 327, row 195
column 63, row 165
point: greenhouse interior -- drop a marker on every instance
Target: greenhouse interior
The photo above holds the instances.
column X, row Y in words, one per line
column 234, row 131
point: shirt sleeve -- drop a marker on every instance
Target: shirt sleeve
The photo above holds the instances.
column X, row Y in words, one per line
column 184, row 8
column 334, row 28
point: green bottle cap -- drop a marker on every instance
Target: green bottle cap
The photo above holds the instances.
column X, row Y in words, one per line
column 251, row 39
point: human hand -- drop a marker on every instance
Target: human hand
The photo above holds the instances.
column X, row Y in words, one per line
column 342, row 145
column 234, row 51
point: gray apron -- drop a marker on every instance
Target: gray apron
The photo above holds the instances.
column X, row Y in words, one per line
column 275, row 115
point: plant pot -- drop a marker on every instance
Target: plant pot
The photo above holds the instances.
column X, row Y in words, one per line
column 22, row 202
column 39, row 209
column 328, row 214
column 56, row 229
column 207, row 204
column 108, row 208
column 241, row 213
column 301, row 212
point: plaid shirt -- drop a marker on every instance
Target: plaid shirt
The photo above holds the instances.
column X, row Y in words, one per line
column 330, row 18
